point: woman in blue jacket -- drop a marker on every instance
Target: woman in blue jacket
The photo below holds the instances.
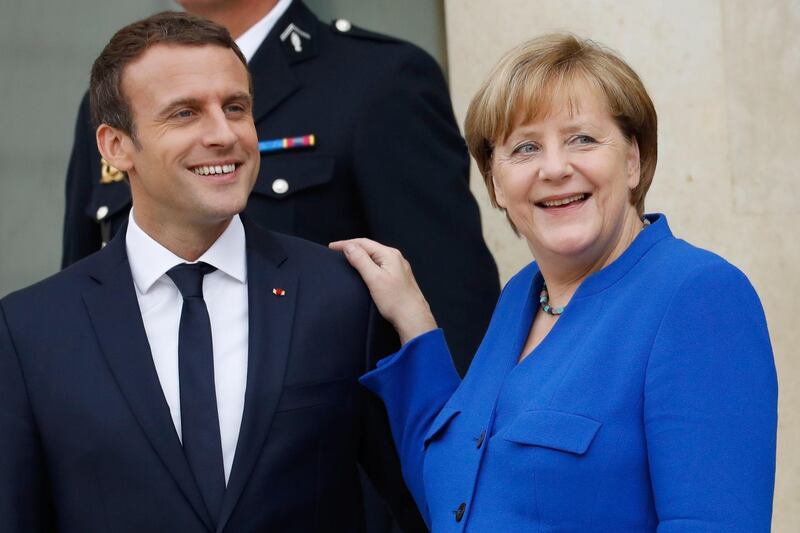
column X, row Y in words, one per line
column 626, row 382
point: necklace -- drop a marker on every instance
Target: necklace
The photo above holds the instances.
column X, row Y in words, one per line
column 544, row 296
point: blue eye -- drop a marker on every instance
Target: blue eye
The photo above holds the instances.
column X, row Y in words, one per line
column 584, row 139
column 525, row 149
column 184, row 113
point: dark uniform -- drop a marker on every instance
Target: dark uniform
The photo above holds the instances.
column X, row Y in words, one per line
column 388, row 163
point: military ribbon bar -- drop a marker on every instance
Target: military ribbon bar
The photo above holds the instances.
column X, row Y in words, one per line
column 276, row 145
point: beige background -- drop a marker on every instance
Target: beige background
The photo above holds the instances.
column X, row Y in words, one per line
column 723, row 75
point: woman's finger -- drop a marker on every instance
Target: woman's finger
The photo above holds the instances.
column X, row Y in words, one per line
column 391, row 284
column 381, row 255
column 359, row 259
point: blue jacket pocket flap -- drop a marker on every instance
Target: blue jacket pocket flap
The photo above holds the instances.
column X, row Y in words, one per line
column 442, row 419
column 553, row 429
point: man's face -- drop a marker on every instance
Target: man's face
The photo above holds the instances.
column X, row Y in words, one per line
column 195, row 157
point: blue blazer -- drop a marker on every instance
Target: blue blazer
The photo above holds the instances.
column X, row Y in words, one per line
column 650, row 406
column 87, row 443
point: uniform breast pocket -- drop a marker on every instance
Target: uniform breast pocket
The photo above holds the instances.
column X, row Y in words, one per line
column 290, row 187
column 286, row 175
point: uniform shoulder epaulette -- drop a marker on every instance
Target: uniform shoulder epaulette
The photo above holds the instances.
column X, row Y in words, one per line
column 345, row 27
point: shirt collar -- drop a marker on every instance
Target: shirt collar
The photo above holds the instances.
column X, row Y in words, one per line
column 249, row 41
column 149, row 260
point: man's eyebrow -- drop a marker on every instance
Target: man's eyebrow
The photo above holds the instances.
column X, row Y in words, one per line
column 172, row 105
column 241, row 97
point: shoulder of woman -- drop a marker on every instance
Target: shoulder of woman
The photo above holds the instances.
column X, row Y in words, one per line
column 699, row 269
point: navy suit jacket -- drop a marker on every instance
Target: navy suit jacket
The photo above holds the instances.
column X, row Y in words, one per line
column 86, row 439
column 389, row 164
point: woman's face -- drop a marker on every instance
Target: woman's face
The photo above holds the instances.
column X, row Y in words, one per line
column 565, row 179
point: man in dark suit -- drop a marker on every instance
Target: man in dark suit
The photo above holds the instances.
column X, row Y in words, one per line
column 198, row 374
column 358, row 140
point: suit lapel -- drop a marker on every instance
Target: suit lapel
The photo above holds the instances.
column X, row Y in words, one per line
column 270, row 317
column 115, row 315
column 271, row 66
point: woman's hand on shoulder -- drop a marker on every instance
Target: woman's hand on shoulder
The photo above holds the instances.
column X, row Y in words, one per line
column 391, row 283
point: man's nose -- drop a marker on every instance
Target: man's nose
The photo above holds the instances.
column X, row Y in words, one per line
column 219, row 130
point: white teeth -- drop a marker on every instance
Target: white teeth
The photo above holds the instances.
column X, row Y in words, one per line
column 214, row 169
column 564, row 201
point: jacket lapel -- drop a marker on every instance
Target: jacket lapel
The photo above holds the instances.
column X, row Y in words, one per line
column 271, row 66
column 114, row 312
column 271, row 317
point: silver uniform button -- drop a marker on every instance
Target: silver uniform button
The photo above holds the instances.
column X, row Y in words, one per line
column 102, row 211
column 280, row 186
column 343, row 25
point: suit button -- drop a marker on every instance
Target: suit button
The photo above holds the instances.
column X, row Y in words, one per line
column 343, row 25
column 479, row 440
column 459, row 512
column 280, row 186
column 102, row 212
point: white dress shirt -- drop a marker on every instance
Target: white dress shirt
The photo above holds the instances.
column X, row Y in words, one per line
column 225, row 293
column 249, row 41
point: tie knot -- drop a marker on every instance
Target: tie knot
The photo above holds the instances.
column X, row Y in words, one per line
column 188, row 277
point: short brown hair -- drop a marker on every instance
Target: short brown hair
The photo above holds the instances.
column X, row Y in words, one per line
column 523, row 85
column 107, row 101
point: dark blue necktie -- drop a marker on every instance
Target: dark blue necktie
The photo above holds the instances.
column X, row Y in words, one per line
column 199, row 420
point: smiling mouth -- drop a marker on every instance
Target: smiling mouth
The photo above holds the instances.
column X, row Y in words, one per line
column 563, row 202
column 215, row 170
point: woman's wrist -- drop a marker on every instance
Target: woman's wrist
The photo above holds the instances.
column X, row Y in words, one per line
column 415, row 324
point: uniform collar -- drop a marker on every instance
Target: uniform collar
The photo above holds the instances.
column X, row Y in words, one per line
column 251, row 40
column 272, row 66
column 296, row 33
column 149, row 260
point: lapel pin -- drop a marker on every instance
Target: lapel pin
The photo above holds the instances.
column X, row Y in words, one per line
column 287, row 143
column 278, row 292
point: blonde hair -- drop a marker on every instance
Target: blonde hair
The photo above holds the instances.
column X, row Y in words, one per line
column 524, row 84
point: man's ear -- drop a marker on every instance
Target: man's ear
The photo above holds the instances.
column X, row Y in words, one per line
column 115, row 146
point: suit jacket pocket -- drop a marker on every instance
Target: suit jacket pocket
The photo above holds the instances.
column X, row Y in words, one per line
column 313, row 394
column 557, row 430
column 284, row 175
column 441, row 421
